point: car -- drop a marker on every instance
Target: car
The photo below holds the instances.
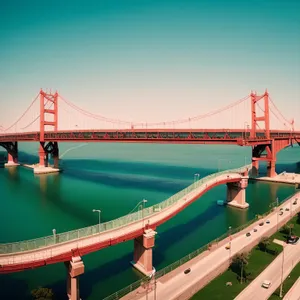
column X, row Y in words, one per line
column 261, row 224
column 281, row 208
column 266, row 284
column 295, row 202
column 248, row 234
column 255, row 230
column 292, row 240
column 287, row 209
column 281, row 213
column 268, row 222
column 227, row 247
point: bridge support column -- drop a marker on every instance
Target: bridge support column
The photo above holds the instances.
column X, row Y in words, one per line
column 75, row 267
column 271, row 168
column 12, row 154
column 55, row 155
column 43, row 156
column 236, row 193
column 142, row 256
column 255, row 167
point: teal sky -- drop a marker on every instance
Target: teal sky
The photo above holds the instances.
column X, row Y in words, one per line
column 149, row 60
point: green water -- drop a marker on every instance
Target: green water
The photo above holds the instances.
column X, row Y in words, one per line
column 114, row 178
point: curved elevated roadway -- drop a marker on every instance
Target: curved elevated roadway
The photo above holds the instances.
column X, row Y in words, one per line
column 17, row 260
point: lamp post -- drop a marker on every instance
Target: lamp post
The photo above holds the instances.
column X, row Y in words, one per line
column 281, row 284
column 99, row 212
column 245, row 126
column 277, row 205
column 142, row 207
column 229, row 234
column 54, row 235
column 196, row 177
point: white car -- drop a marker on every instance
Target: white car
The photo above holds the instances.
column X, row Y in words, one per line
column 266, row 284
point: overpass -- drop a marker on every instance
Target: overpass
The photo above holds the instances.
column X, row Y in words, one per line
column 265, row 143
column 140, row 226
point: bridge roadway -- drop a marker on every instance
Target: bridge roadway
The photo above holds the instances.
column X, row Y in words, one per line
column 177, row 283
column 273, row 273
column 198, row 136
column 18, row 261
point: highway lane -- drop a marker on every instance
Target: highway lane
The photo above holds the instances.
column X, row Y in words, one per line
column 288, row 259
column 180, row 282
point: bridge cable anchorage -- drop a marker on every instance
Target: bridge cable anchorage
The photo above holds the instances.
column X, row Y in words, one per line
column 28, row 108
column 132, row 124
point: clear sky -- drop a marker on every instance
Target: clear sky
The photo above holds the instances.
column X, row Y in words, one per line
column 150, row 60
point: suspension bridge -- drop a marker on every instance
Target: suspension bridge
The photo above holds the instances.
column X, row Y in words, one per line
column 69, row 247
column 250, row 121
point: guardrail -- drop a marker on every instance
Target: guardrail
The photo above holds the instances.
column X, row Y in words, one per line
column 113, row 224
column 121, row 293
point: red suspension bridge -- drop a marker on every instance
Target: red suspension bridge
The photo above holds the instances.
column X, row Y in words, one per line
column 39, row 123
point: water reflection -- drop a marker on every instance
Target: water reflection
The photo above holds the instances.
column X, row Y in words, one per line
column 13, row 173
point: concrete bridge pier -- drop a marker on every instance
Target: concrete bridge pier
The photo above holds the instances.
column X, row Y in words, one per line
column 236, row 193
column 43, row 156
column 75, row 267
column 271, row 168
column 142, row 256
column 255, row 167
column 12, row 154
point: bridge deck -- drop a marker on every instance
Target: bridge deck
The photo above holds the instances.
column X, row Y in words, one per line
column 12, row 262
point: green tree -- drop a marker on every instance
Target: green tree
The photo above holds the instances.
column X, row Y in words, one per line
column 298, row 218
column 239, row 263
column 264, row 243
column 42, row 294
column 285, row 229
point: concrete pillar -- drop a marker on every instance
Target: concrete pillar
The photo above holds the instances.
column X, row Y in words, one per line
column 236, row 193
column 271, row 168
column 55, row 154
column 43, row 156
column 75, row 267
column 142, row 256
column 255, row 167
column 12, row 155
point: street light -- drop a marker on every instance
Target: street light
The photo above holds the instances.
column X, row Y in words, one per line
column 229, row 234
column 152, row 275
column 196, row 177
column 142, row 207
column 99, row 212
column 245, row 126
column 54, row 235
column 281, row 284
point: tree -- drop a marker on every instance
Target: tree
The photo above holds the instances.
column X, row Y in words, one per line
column 239, row 263
column 264, row 243
column 298, row 218
column 42, row 294
column 285, row 229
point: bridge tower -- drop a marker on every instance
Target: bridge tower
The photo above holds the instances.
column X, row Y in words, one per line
column 264, row 118
column 267, row 147
column 51, row 147
column 259, row 149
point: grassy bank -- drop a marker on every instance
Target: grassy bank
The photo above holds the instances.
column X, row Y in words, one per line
column 288, row 283
column 258, row 261
column 217, row 289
